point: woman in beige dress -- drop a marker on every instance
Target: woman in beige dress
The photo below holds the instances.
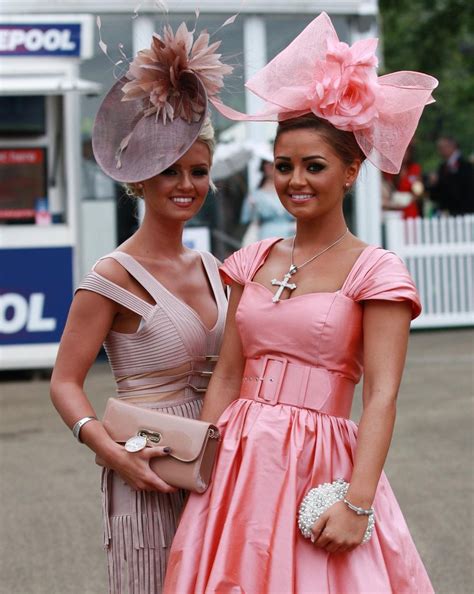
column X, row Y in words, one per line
column 157, row 306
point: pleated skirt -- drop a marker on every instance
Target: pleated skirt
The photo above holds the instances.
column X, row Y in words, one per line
column 139, row 526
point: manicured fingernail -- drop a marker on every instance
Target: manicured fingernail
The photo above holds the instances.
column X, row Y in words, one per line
column 167, row 450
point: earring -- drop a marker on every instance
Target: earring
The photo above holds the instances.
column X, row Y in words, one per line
column 347, row 185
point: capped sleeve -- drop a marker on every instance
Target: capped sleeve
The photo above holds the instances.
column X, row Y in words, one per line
column 242, row 265
column 385, row 277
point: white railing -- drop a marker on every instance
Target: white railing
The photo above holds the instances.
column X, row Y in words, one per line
column 439, row 253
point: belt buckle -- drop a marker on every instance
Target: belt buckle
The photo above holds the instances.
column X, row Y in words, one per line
column 272, row 384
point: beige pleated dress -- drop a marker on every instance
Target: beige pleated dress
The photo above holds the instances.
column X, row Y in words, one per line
column 171, row 356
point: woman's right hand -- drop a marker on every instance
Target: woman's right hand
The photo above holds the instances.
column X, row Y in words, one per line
column 135, row 470
column 90, row 320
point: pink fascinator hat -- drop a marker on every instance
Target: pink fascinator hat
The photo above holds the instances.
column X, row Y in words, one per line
column 319, row 74
column 151, row 116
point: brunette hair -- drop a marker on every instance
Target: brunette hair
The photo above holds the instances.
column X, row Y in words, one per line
column 343, row 142
column 206, row 135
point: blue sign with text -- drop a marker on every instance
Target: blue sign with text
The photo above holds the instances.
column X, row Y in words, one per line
column 42, row 39
column 36, row 288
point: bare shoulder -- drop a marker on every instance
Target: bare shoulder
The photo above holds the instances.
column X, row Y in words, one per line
column 113, row 271
column 196, row 257
column 283, row 244
column 356, row 245
column 281, row 247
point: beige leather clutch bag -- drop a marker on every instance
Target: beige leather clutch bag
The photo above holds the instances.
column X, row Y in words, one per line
column 193, row 443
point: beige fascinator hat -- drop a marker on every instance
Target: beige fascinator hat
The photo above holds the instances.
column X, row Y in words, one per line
column 152, row 116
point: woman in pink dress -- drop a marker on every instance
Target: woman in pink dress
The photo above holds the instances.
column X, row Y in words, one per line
column 306, row 317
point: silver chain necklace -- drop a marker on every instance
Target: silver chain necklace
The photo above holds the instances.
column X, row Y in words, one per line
column 284, row 284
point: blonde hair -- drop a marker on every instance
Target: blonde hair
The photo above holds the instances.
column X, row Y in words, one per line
column 206, row 135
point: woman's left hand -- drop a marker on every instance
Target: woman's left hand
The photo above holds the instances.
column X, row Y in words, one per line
column 339, row 529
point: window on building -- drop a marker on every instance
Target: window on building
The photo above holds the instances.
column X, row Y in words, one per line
column 22, row 116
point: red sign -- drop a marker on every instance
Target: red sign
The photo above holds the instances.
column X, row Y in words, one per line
column 21, row 156
column 19, row 213
column 22, row 182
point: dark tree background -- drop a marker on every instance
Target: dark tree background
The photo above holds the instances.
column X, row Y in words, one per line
column 436, row 37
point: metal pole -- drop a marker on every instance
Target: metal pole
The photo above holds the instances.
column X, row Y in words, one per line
column 368, row 189
column 255, row 58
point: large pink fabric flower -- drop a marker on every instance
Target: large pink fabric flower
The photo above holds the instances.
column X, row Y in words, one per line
column 345, row 90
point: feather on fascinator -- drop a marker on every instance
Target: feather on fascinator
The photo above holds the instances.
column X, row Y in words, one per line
column 152, row 115
column 317, row 73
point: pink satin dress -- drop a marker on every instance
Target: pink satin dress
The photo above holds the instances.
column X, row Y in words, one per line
column 290, row 431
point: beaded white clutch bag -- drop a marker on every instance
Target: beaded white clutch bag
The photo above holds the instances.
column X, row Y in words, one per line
column 319, row 499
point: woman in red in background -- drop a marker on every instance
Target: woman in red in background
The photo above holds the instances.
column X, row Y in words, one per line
column 407, row 181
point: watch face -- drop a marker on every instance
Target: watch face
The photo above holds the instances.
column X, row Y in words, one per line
column 135, row 443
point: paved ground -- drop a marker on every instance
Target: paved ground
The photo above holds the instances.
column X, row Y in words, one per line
column 51, row 526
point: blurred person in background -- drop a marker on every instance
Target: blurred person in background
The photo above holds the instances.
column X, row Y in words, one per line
column 403, row 191
column 452, row 187
column 262, row 210
column 95, row 184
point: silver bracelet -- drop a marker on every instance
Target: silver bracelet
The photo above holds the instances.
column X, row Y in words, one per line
column 321, row 498
column 76, row 430
column 360, row 511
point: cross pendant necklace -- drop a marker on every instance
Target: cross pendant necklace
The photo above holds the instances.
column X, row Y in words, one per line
column 284, row 284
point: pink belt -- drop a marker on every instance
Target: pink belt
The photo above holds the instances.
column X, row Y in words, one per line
column 274, row 380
